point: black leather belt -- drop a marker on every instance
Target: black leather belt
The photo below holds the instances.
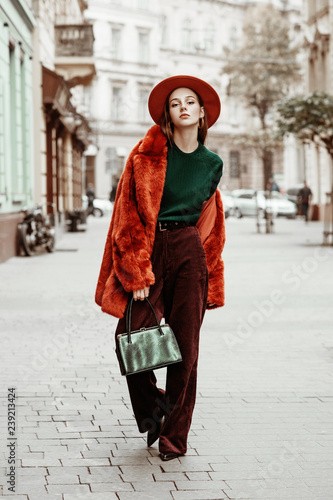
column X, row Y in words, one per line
column 172, row 224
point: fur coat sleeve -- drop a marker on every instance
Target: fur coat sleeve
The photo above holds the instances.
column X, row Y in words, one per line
column 126, row 264
column 211, row 226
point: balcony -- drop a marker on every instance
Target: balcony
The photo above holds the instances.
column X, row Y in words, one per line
column 74, row 53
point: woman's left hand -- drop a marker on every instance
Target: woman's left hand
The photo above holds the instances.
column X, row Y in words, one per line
column 141, row 294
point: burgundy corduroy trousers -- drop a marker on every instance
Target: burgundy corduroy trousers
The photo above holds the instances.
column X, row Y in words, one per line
column 180, row 296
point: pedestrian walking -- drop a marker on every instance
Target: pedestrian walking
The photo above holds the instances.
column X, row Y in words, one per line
column 305, row 195
column 112, row 196
column 275, row 186
column 165, row 242
column 91, row 196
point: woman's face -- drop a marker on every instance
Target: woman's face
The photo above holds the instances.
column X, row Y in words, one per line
column 184, row 108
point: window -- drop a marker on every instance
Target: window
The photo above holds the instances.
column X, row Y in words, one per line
column 116, row 43
column 143, row 105
column 143, row 47
column 234, row 112
column 25, row 127
column 187, row 34
column 209, row 37
column 116, row 110
column 113, row 162
column 110, row 158
column 13, row 115
column 234, row 164
column 143, row 4
column 233, row 38
column 164, row 29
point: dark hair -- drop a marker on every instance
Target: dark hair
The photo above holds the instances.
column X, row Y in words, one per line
column 167, row 127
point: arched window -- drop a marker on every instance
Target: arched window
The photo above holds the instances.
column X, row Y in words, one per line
column 210, row 37
column 187, row 34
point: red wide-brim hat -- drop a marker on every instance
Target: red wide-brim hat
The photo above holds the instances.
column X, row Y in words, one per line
column 160, row 92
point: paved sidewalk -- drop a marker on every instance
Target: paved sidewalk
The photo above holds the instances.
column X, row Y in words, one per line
column 263, row 423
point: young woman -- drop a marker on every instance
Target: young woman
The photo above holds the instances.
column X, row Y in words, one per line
column 165, row 242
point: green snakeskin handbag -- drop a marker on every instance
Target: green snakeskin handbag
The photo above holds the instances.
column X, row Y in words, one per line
column 147, row 348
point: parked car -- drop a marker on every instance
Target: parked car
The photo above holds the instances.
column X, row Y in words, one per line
column 279, row 203
column 245, row 202
column 101, row 206
column 228, row 203
column 251, row 202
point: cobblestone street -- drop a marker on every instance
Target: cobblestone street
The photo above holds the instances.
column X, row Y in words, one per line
column 263, row 423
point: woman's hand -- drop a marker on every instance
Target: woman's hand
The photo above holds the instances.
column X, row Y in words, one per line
column 141, row 294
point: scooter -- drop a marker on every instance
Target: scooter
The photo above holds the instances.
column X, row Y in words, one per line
column 35, row 231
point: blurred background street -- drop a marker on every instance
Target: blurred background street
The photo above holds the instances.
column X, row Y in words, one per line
column 75, row 77
column 262, row 427
column 75, row 82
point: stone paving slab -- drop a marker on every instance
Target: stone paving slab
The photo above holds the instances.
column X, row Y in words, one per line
column 211, row 494
column 262, row 427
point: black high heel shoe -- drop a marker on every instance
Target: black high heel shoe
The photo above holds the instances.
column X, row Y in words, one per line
column 154, row 433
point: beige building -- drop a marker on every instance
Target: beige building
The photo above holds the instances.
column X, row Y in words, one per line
column 140, row 42
column 46, row 64
column 319, row 76
column 63, row 68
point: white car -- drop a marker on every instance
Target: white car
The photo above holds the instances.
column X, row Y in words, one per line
column 228, row 203
column 279, row 204
column 245, row 202
column 251, row 202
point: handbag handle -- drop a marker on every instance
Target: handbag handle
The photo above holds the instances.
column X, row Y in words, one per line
column 129, row 317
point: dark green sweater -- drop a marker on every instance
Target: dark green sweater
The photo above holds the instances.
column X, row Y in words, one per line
column 191, row 179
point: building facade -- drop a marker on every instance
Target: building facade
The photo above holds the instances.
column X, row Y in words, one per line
column 46, row 64
column 63, row 68
column 17, row 23
column 318, row 46
column 140, row 42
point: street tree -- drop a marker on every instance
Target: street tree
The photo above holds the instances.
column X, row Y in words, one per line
column 310, row 119
column 262, row 71
column 262, row 142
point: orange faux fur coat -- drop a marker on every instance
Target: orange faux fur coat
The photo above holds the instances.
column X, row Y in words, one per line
column 126, row 264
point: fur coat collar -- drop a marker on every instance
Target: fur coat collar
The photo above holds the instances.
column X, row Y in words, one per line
column 126, row 262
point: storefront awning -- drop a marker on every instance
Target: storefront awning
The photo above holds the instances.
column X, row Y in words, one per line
column 57, row 99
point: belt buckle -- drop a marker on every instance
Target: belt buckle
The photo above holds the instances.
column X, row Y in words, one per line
column 160, row 226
